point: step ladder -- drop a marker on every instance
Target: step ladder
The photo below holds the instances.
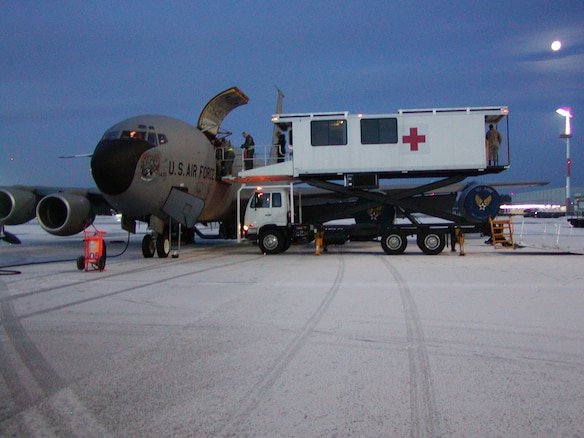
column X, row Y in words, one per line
column 502, row 233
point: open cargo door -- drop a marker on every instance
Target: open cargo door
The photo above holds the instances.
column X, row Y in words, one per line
column 217, row 109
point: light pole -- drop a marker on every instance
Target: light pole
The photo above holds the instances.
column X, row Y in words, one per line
column 566, row 112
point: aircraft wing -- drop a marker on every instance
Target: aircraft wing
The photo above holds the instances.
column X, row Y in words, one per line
column 516, row 184
column 77, row 156
column 62, row 211
column 217, row 109
column 93, row 195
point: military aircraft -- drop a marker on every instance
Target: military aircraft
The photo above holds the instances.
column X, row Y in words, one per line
column 150, row 168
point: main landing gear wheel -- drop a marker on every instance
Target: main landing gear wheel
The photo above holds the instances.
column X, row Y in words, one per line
column 271, row 242
column 394, row 242
column 431, row 242
column 148, row 246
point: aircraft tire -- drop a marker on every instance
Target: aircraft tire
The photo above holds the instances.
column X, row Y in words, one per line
column 394, row 242
column 431, row 242
column 162, row 247
column 148, row 246
column 271, row 241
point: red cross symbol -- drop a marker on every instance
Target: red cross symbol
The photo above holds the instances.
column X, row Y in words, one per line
column 414, row 139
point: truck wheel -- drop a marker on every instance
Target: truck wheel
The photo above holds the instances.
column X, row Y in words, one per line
column 431, row 242
column 271, row 241
column 162, row 246
column 148, row 246
column 394, row 242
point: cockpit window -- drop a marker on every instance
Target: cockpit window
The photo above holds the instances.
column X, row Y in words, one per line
column 152, row 138
column 111, row 135
column 135, row 135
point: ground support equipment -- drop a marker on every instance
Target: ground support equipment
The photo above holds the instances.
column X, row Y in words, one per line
column 94, row 255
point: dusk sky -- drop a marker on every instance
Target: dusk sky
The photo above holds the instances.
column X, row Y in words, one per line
column 72, row 69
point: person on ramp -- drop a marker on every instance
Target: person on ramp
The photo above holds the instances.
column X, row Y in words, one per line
column 248, row 151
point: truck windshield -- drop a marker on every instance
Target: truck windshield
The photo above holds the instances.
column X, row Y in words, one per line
column 260, row 200
column 264, row 200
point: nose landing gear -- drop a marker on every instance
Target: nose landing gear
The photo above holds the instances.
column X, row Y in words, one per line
column 155, row 243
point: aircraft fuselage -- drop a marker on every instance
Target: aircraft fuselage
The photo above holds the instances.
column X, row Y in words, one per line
column 141, row 159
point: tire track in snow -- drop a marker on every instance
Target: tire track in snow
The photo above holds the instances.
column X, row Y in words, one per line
column 422, row 400
column 160, row 280
column 251, row 400
column 105, row 275
column 44, row 378
column 20, row 398
column 47, row 379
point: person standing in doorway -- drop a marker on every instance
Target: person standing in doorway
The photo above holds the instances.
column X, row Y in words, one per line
column 494, row 139
column 248, row 151
column 281, row 147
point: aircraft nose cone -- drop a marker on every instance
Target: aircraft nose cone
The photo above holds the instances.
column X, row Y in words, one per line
column 113, row 164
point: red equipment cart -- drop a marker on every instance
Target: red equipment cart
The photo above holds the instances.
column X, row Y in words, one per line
column 95, row 251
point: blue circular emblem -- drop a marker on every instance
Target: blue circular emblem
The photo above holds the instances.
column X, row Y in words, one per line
column 478, row 202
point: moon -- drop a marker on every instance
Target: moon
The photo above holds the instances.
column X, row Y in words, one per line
column 556, row 45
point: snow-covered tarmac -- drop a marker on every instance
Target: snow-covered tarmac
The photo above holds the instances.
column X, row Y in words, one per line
column 223, row 341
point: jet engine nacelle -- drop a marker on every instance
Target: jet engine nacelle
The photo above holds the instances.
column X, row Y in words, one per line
column 479, row 202
column 16, row 206
column 64, row 214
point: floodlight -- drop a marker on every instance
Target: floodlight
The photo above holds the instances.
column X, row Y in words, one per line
column 566, row 112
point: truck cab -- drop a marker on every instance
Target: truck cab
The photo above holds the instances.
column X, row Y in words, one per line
column 576, row 216
column 268, row 221
column 269, row 206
